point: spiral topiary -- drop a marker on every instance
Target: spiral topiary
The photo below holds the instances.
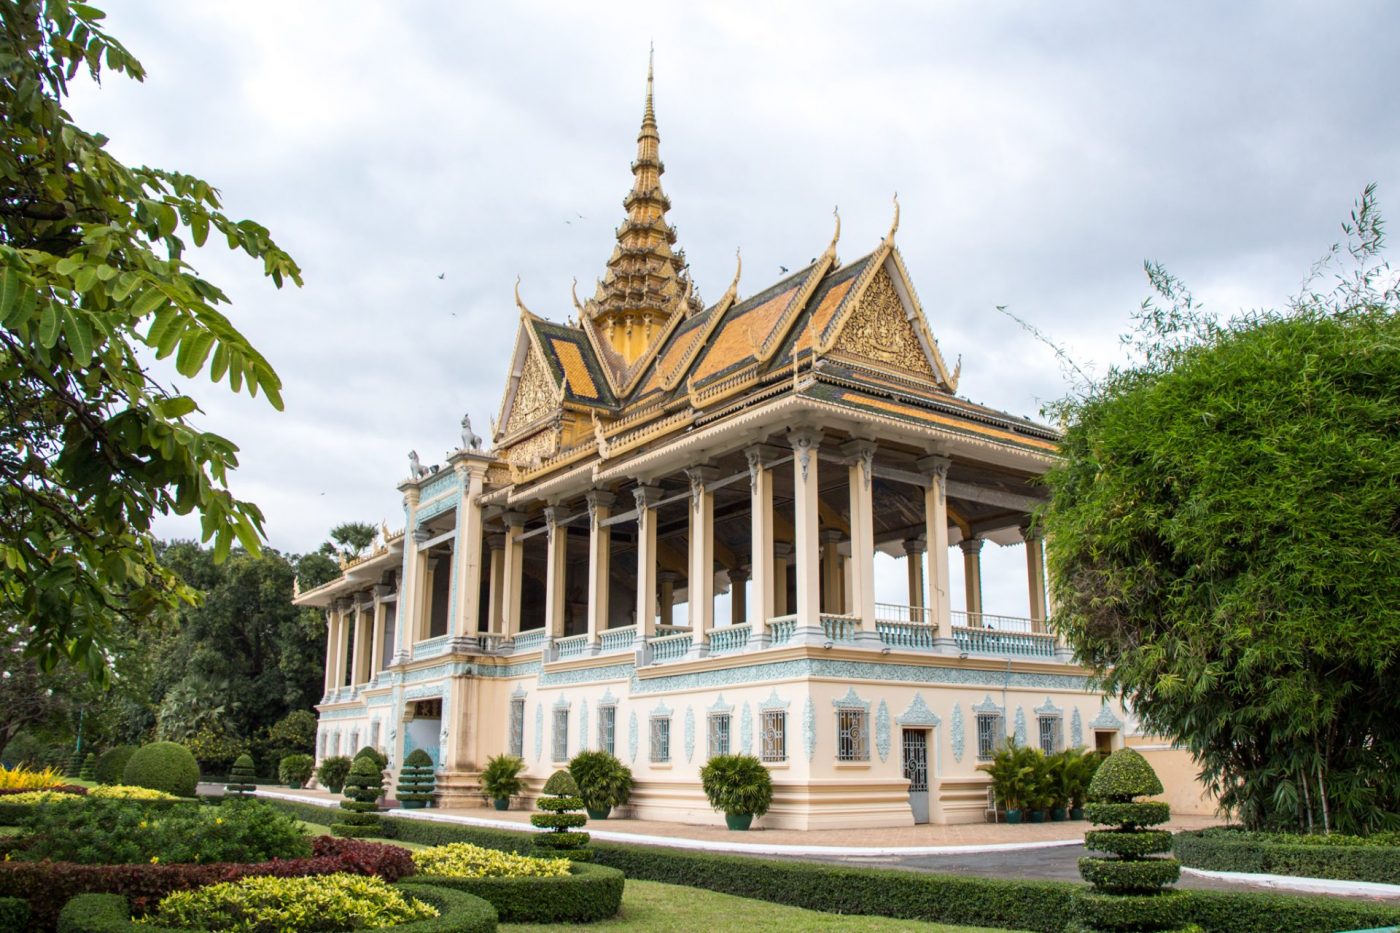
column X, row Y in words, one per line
column 167, row 766
column 241, row 777
column 73, row 764
column 88, row 772
column 561, row 804
column 416, row 781
column 363, row 786
column 1128, row 888
column 379, row 758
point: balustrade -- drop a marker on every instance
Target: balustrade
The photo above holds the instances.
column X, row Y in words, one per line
column 571, row 647
column 527, row 640
column 781, row 629
column 840, row 628
column 618, row 639
column 1006, row 643
column 730, row 638
column 671, row 647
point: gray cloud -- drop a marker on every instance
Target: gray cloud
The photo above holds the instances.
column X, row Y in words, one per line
column 1041, row 154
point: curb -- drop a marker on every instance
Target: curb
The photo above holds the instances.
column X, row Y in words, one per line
column 1301, row 884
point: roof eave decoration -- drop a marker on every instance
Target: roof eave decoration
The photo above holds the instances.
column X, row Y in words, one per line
column 519, row 357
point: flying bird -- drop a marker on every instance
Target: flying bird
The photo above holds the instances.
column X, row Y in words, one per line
column 442, row 275
column 782, row 269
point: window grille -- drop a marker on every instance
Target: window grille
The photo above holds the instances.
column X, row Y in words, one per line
column 561, row 735
column 607, row 728
column 1049, row 734
column 660, row 739
column 852, row 734
column 517, row 727
column 719, row 734
column 989, row 735
column 374, row 733
column 774, row 747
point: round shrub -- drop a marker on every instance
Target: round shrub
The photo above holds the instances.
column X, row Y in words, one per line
column 603, row 781
column 1124, row 775
column 1142, row 813
column 295, row 770
column 332, row 773
column 111, row 764
column 416, row 780
column 375, row 755
column 587, row 894
column 363, row 786
column 166, row 766
column 737, row 784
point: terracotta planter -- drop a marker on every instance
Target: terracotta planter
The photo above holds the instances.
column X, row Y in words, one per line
column 502, row 803
column 738, row 822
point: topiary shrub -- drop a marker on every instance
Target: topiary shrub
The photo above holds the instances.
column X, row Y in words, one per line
column 295, row 770
column 88, row 772
column 241, row 777
column 363, row 786
column 560, row 805
column 374, row 754
column 73, row 764
column 332, row 773
column 603, row 782
column 1128, row 890
column 166, row 766
column 416, row 780
column 111, row 764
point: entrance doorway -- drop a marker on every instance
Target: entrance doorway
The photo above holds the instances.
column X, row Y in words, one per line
column 1103, row 742
column 916, row 771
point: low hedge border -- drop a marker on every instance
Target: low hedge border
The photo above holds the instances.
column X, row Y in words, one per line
column 588, row 893
column 14, row 814
column 48, row 885
column 1262, row 853
column 1041, row 906
column 111, row 913
column 14, row 913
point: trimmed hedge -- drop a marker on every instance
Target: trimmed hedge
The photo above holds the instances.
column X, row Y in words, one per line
column 1266, row 853
column 1132, row 844
column 48, row 885
column 14, row 913
column 1132, row 875
column 1041, row 906
column 111, row 913
column 589, row 893
column 111, row 764
column 167, row 766
column 1142, row 813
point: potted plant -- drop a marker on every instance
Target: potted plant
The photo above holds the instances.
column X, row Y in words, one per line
column 1059, row 779
column 332, row 773
column 501, row 779
column 739, row 786
column 1082, row 765
column 416, row 780
column 1012, row 771
column 295, row 770
column 603, row 782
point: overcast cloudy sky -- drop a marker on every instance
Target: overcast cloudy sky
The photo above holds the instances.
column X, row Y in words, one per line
column 416, row 157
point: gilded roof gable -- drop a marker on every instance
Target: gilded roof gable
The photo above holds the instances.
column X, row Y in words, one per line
column 879, row 330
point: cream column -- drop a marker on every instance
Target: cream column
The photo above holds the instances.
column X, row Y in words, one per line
column 342, row 642
column 327, row 686
column 738, row 603
column 914, row 561
column 862, row 565
column 512, row 572
column 556, row 572
column 782, row 558
column 358, row 658
column 761, row 537
column 701, row 575
column 496, row 594
column 428, row 568
column 408, row 597
column 646, row 498
column 1035, row 579
column 376, row 644
column 936, row 516
column 666, row 602
column 805, row 444
column 972, row 579
column 466, row 553
column 831, row 539
column 599, row 562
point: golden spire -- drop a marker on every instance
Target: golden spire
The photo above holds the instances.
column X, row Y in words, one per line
column 647, row 280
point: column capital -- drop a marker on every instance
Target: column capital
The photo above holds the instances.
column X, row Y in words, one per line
column 411, row 496
column 342, row 603
column 599, row 498
column 805, row 443
column 496, row 542
column 971, row 545
column 382, row 590
column 1029, row 532
column 646, row 496
column 739, row 574
column 783, row 550
column 831, row 536
column 936, row 466
column 667, row 576
column 913, row 546
column 553, row 514
column 421, row 534
column 513, row 519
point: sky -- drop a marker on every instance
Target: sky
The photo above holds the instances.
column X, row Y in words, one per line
column 416, row 158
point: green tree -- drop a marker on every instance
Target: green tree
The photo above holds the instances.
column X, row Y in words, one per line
column 93, row 278
column 351, row 538
column 1225, row 539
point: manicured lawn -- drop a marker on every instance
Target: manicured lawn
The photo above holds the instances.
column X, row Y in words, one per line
column 668, row 908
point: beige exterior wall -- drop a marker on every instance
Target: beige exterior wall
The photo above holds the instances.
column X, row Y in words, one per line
column 1178, row 771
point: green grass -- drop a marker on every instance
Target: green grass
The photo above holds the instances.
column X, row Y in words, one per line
column 9, row 830
column 323, row 829
column 652, row 907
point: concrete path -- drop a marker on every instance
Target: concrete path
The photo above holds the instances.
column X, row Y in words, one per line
column 1042, row 851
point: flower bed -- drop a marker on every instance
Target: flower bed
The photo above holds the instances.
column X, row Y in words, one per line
column 1343, row 858
column 48, row 885
column 524, row 889
column 457, row 913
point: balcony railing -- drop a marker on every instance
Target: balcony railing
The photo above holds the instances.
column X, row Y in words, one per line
column 993, row 641
column 571, row 647
column 840, row 628
column 915, row 636
column 527, row 640
column 782, row 629
column 893, row 612
column 730, row 639
column 617, row 639
column 671, row 647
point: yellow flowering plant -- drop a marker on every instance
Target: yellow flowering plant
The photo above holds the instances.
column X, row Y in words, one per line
column 463, row 860
column 313, row 904
column 39, row 796
column 128, row 792
column 22, row 778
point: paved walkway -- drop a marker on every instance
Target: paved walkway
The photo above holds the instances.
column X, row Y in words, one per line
column 1043, row 851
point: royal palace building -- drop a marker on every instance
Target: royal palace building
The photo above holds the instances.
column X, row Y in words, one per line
column 667, row 550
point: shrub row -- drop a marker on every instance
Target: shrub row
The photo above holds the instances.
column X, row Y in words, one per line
column 48, row 885
column 1020, row 905
column 1275, row 854
column 111, row 913
column 587, row 894
column 14, row 913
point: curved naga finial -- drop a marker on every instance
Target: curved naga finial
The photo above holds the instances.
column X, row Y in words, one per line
column 894, row 224
column 836, row 235
column 518, row 303
column 573, row 289
column 731, row 294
